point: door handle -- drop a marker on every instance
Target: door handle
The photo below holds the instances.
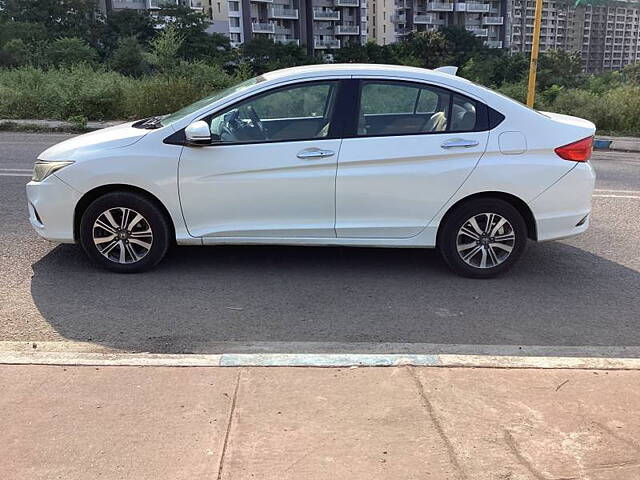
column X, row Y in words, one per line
column 460, row 143
column 314, row 153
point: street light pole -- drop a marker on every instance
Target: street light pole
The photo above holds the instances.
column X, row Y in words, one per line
column 535, row 48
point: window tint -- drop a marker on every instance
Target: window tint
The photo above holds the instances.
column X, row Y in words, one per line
column 391, row 108
column 463, row 114
column 294, row 113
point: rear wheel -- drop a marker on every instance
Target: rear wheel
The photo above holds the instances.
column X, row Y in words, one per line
column 124, row 232
column 483, row 238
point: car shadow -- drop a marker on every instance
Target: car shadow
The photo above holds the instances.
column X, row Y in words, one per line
column 275, row 298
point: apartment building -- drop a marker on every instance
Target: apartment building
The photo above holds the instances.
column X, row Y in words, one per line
column 319, row 25
column 611, row 36
column 392, row 20
column 608, row 37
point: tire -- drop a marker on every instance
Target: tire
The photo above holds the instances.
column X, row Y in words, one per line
column 495, row 252
column 137, row 247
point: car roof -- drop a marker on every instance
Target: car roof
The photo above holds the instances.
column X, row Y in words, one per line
column 378, row 70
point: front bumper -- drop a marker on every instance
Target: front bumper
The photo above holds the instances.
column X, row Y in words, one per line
column 51, row 207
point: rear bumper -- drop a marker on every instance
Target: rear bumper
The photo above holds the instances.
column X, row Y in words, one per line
column 51, row 206
column 560, row 210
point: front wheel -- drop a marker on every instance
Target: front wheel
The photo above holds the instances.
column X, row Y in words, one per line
column 124, row 232
column 483, row 238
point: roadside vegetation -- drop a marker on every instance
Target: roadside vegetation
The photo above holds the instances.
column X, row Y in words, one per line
column 59, row 59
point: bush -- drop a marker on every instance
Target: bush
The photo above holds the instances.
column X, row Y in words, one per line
column 81, row 90
column 70, row 51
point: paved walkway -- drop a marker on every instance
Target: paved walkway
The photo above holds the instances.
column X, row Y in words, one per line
column 318, row 423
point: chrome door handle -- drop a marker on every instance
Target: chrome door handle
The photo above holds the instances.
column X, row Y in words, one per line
column 314, row 153
column 460, row 143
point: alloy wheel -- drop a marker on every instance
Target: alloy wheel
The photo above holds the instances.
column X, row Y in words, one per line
column 485, row 240
column 122, row 235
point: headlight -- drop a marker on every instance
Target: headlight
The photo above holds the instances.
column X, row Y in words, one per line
column 42, row 169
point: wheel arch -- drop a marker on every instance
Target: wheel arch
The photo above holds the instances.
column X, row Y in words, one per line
column 513, row 200
column 93, row 194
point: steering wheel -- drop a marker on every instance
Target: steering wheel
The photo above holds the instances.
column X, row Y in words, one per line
column 255, row 119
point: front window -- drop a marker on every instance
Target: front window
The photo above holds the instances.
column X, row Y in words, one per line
column 298, row 112
column 189, row 109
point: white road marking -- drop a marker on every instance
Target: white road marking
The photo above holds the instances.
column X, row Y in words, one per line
column 15, row 174
column 16, row 169
column 617, row 191
column 618, row 196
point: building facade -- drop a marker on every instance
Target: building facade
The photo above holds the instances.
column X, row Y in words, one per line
column 392, row 20
column 318, row 25
column 608, row 37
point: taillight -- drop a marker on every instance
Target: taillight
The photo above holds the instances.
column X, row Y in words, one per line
column 579, row 151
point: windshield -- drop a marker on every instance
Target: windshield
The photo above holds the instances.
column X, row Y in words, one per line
column 183, row 112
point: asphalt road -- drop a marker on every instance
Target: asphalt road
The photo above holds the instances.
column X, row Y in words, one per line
column 574, row 297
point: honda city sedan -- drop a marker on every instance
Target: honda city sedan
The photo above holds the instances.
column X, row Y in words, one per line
column 356, row 155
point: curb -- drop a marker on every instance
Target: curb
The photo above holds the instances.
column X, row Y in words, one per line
column 313, row 360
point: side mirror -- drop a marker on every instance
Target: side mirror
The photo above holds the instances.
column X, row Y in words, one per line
column 198, row 133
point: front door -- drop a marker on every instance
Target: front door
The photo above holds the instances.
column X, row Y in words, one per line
column 414, row 146
column 270, row 170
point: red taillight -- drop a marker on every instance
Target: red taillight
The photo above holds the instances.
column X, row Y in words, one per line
column 579, row 151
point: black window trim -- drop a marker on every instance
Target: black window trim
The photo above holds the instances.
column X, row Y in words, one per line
column 482, row 110
column 336, row 127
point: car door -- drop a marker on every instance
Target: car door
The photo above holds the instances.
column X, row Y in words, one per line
column 270, row 169
column 411, row 148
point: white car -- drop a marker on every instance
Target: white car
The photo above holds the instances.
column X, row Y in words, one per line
column 360, row 155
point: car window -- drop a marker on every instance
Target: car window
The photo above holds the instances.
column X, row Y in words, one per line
column 463, row 114
column 297, row 112
column 393, row 108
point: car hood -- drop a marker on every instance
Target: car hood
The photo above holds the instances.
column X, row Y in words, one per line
column 108, row 138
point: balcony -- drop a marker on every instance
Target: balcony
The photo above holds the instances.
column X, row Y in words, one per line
column 400, row 18
column 478, row 31
column 282, row 12
column 421, row 19
column 285, row 40
column 324, row 44
column 493, row 43
column 162, row 3
column 347, row 30
column 196, row 4
column 262, row 1
column 440, row 7
column 473, row 7
column 493, row 20
column 263, row 28
column 326, row 15
column 346, row 3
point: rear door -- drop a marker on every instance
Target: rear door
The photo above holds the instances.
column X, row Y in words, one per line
column 411, row 147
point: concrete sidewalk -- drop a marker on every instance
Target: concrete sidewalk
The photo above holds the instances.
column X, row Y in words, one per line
column 318, row 423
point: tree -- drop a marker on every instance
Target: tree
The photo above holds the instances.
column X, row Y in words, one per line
column 461, row 45
column 127, row 23
column 69, row 18
column 128, row 58
column 559, row 67
column 265, row 55
column 495, row 67
column 164, row 49
column 197, row 43
column 29, row 33
column 423, row 49
column 70, row 51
